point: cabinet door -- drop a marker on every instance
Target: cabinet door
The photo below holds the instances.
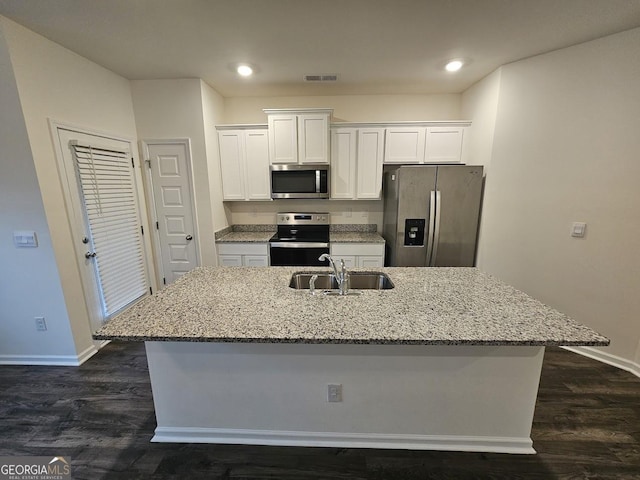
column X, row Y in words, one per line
column 370, row 261
column 404, row 145
column 369, row 166
column 230, row 260
column 350, row 261
column 313, row 138
column 444, row 144
column 255, row 261
column 257, row 165
column 232, row 164
column 343, row 163
column 283, row 138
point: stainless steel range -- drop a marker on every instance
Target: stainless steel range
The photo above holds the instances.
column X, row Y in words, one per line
column 301, row 238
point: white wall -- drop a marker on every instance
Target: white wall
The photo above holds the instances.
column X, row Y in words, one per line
column 166, row 109
column 212, row 114
column 56, row 83
column 29, row 283
column 350, row 108
column 566, row 149
column 480, row 105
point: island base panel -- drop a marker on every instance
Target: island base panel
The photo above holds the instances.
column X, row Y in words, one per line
column 464, row 398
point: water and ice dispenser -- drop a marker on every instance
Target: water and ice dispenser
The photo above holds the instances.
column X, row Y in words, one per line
column 414, row 232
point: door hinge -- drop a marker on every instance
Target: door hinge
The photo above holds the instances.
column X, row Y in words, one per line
column 142, row 229
column 157, row 226
column 164, row 280
column 151, row 290
column 132, row 164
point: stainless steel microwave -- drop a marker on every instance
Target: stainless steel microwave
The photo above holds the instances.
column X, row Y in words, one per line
column 300, row 181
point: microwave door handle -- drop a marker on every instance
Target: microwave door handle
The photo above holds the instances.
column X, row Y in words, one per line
column 317, row 180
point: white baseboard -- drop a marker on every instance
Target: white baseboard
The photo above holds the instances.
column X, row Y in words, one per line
column 607, row 358
column 343, row 440
column 51, row 360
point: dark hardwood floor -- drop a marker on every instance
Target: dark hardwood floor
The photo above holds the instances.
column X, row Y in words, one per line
column 587, row 426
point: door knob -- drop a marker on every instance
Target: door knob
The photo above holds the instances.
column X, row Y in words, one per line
column 189, row 237
column 89, row 254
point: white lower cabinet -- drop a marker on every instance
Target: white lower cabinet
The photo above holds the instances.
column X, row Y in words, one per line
column 367, row 255
column 243, row 255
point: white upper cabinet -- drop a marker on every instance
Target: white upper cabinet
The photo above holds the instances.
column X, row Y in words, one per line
column 356, row 163
column 343, row 163
column 298, row 136
column 404, row 145
column 444, row 144
column 244, row 164
column 421, row 144
column 283, row 138
column 370, row 153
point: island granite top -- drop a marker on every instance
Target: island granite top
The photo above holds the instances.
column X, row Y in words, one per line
column 428, row 306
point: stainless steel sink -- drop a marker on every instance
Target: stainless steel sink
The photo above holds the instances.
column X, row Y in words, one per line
column 327, row 281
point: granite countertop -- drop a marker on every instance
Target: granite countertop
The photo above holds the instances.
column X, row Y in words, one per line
column 262, row 233
column 355, row 237
column 428, row 306
column 246, row 237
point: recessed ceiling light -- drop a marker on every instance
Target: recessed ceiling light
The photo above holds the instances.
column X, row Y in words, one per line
column 244, row 70
column 454, row 65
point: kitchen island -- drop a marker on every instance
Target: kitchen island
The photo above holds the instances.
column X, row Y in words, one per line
column 449, row 359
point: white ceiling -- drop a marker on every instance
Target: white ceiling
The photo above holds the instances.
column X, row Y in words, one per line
column 375, row 46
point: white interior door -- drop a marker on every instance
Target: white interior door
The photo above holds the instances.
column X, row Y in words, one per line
column 102, row 197
column 169, row 162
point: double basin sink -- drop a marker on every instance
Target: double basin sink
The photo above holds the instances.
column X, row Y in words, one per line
column 328, row 281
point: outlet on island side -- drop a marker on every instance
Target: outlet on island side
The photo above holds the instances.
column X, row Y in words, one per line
column 334, row 393
column 41, row 324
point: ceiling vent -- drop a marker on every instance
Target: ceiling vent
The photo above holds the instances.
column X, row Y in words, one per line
column 320, row 78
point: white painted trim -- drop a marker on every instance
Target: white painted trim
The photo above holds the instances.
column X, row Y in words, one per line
column 50, row 360
column 607, row 358
column 343, row 440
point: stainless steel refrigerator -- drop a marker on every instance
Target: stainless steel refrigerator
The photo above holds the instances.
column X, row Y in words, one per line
column 431, row 215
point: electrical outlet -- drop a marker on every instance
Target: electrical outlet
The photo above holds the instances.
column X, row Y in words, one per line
column 41, row 324
column 334, row 393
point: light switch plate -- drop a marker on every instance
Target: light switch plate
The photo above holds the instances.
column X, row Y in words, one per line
column 25, row 238
column 578, row 229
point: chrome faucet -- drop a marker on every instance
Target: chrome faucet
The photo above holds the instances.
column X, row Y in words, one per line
column 343, row 277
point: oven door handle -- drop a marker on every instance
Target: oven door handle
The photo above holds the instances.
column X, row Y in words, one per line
column 299, row 245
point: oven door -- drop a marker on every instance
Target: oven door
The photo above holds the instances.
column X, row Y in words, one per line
column 290, row 254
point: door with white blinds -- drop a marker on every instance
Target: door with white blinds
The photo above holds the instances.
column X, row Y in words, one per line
column 106, row 207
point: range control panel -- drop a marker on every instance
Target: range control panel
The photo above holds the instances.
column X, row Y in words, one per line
column 303, row 218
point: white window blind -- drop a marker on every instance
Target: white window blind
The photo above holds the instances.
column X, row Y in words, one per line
column 108, row 191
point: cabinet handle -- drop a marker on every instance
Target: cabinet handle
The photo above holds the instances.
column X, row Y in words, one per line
column 189, row 237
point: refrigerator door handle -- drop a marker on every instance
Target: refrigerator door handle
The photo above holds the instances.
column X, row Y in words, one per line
column 436, row 231
column 432, row 223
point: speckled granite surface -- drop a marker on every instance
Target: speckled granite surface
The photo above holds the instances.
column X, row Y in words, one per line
column 262, row 233
column 246, row 237
column 431, row 306
column 355, row 237
column 354, row 227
